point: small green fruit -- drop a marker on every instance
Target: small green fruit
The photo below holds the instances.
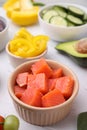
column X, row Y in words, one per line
column 11, row 123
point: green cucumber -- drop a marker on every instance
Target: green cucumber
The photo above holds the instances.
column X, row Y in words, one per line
column 49, row 14
column 85, row 18
column 76, row 11
column 74, row 20
column 62, row 11
column 38, row 4
column 73, row 15
column 58, row 20
column 70, row 24
column 44, row 11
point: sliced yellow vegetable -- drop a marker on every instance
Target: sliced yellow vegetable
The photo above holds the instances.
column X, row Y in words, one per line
column 25, row 45
column 25, row 4
column 28, row 17
column 40, row 43
column 10, row 3
column 23, row 33
column 21, row 12
column 19, row 43
column 22, row 47
column 10, row 6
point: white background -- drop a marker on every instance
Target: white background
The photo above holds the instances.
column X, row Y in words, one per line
column 80, row 103
column 82, row 2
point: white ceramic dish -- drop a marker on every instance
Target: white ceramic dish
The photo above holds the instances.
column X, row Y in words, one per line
column 16, row 60
column 4, row 36
column 61, row 33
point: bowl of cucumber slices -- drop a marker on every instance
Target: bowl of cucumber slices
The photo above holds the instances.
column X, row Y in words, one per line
column 64, row 21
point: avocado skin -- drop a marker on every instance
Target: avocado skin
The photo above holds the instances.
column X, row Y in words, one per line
column 82, row 61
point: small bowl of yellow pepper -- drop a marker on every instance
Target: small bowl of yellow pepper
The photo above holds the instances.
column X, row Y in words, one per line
column 24, row 47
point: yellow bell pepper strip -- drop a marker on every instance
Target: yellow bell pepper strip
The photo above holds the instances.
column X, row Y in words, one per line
column 25, row 18
column 25, row 45
column 22, row 47
column 11, row 5
column 23, row 33
column 25, row 4
column 40, row 43
column 22, row 12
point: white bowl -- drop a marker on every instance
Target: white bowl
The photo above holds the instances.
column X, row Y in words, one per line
column 4, row 36
column 17, row 60
column 38, row 115
column 61, row 33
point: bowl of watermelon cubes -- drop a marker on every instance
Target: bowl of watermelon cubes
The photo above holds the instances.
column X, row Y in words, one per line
column 43, row 91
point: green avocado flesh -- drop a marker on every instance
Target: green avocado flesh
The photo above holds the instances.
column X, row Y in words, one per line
column 69, row 48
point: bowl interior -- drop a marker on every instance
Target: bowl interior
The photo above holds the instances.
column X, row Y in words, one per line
column 5, row 23
column 38, row 115
column 49, row 6
column 4, row 34
column 26, row 66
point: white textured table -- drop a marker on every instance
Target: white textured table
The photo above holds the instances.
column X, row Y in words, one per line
column 82, row 2
column 6, row 105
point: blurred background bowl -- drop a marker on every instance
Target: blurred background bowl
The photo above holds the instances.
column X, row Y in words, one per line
column 17, row 60
column 38, row 115
column 4, row 36
column 63, row 33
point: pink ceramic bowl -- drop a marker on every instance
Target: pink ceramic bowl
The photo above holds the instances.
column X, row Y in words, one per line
column 38, row 115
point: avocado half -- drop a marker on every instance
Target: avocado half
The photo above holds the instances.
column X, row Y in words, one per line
column 69, row 48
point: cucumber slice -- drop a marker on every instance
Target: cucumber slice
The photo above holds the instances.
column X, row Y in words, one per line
column 85, row 17
column 73, row 15
column 70, row 24
column 44, row 11
column 58, row 20
column 74, row 20
column 62, row 11
column 76, row 11
column 49, row 14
